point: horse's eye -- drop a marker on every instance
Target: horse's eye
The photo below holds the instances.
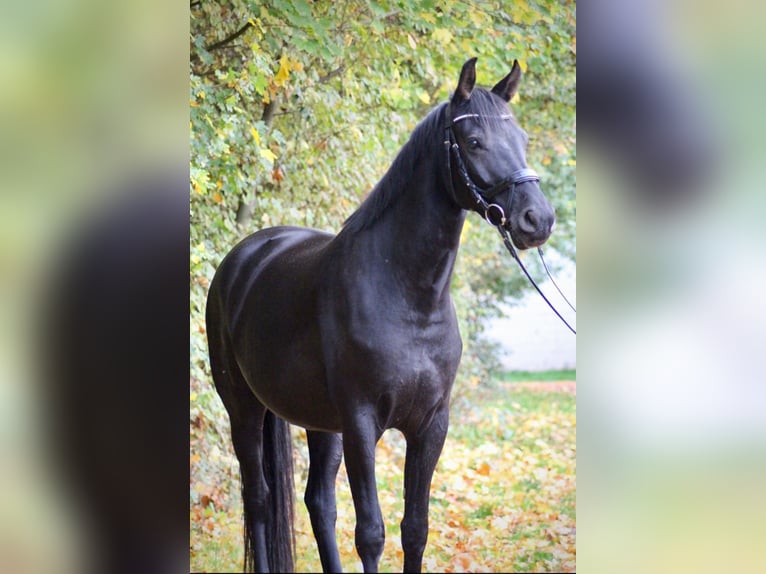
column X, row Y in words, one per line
column 473, row 143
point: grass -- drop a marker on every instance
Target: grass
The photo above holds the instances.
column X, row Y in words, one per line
column 538, row 376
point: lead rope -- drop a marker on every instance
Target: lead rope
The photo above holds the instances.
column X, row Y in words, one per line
column 509, row 246
column 540, row 252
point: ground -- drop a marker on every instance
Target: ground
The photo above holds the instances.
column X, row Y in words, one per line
column 502, row 498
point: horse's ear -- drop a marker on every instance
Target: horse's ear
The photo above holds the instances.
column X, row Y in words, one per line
column 507, row 87
column 466, row 82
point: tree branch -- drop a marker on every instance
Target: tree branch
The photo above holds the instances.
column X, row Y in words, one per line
column 229, row 39
column 268, row 112
column 336, row 72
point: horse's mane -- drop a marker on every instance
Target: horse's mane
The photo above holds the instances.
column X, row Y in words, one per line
column 426, row 136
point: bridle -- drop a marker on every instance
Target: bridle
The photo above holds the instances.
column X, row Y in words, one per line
column 494, row 213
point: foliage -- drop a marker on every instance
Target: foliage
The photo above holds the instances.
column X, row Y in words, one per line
column 502, row 499
column 296, row 110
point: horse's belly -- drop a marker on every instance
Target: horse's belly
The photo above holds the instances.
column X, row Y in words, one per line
column 293, row 384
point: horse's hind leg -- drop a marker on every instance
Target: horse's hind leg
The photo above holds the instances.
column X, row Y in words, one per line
column 246, row 416
column 247, row 437
column 325, row 452
column 423, row 450
column 258, row 437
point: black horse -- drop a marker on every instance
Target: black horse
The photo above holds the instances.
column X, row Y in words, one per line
column 351, row 334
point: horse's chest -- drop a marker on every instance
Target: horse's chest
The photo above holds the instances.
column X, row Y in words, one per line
column 407, row 348
column 389, row 340
column 409, row 381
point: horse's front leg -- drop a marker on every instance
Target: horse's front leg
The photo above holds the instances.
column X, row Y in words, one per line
column 360, row 436
column 423, row 449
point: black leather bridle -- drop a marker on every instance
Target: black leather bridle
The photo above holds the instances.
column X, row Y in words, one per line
column 494, row 213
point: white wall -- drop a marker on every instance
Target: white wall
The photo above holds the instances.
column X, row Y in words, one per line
column 532, row 337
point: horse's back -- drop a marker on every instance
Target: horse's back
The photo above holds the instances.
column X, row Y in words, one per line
column 263, row 305
column 294, row 249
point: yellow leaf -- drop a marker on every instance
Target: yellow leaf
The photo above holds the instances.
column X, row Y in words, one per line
column 464, row 234
column 193, row 397
column 199, row 182
column 476, row 17
column 284, row 71
column 266, row 153
column 256, row 135
column 442, row 35
column 217, row 197
column 424, row 97
column 411, row 40
column 483, row 469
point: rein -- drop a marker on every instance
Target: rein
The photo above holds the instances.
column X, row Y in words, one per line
column 494, row 213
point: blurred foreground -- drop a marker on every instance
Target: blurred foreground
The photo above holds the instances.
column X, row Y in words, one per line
column 93, row 287
column 671, row 251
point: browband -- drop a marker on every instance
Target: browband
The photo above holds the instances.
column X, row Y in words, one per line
column 466, row 116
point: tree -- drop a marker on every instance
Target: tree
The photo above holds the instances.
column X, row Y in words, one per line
column 298, row 107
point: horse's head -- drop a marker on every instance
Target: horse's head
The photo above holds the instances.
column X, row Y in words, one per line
column 492, row 147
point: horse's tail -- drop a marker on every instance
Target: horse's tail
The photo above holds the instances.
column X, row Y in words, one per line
column 278, row 471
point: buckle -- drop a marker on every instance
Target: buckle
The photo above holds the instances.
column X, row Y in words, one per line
column 495, row 215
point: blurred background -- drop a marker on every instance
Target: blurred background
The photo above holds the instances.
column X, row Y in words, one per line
column 529, row 336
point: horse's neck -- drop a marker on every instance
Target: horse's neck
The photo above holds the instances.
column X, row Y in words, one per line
column 420, row 235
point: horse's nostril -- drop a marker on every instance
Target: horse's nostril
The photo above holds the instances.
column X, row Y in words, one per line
column 530, row 218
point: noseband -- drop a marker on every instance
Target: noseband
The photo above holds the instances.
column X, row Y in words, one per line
column 494, row 213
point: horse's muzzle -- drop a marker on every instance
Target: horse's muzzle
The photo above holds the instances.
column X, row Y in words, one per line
column 532, row 227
